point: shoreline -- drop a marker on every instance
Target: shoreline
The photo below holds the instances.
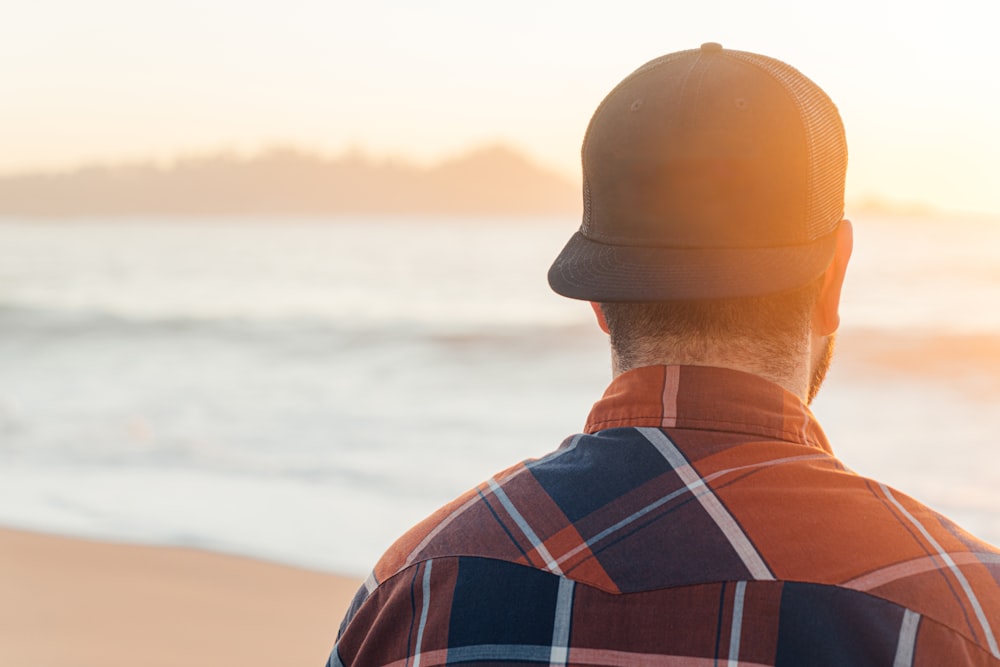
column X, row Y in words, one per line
column 87, row 603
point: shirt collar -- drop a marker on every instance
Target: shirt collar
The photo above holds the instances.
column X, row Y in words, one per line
column 706, row 398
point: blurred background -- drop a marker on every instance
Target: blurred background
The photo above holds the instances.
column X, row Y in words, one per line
column 272, row 275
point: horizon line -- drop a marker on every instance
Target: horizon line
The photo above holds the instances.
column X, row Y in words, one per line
column 352, row 152
column 868, row 201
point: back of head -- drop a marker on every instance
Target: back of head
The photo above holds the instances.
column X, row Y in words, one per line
column 713, row 187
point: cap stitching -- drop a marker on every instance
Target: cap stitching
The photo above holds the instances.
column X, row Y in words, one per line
column 634, row 242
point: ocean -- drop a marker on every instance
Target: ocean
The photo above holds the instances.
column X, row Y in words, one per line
column 303, row 391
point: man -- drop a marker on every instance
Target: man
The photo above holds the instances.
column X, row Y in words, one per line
column 701, row 518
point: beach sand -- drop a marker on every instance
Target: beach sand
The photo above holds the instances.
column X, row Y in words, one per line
column 81, row 603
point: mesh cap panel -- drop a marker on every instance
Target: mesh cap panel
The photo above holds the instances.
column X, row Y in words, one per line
column 826, row 143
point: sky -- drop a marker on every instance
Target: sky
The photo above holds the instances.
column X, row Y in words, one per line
column 123, row 80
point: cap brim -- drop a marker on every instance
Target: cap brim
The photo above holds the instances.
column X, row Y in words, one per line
column 593, row 271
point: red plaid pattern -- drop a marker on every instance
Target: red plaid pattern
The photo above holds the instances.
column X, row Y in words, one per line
column 701, row 519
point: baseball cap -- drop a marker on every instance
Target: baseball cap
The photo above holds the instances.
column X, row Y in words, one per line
column 708, row 173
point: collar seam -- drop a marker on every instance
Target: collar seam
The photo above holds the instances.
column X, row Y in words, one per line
column 722, row 425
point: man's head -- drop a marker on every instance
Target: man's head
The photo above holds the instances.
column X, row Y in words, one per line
column 713, row 203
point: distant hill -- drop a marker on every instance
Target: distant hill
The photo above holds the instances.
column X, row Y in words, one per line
column 492, row 180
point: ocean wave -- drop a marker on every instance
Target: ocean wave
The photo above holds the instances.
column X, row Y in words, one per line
column 70, row 323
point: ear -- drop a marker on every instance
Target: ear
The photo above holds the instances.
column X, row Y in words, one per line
column 601, row 322
column 826, row 316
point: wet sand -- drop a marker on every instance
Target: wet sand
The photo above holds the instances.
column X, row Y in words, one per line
column 81, row 603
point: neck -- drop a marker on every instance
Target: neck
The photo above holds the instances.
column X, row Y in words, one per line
column 793, row 372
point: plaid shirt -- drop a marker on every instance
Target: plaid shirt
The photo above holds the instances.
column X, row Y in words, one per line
column 702, row 519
